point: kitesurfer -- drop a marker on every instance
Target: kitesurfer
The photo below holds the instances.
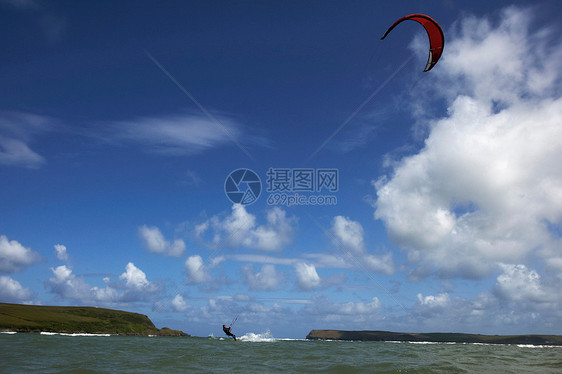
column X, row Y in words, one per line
column 227, row 331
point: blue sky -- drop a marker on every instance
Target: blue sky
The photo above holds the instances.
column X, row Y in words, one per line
column 120, row 122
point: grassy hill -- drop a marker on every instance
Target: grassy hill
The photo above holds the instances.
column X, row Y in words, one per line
column 434, row 337
column 23, row 318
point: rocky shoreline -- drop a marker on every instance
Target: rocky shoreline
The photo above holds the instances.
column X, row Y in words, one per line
column 434, row 337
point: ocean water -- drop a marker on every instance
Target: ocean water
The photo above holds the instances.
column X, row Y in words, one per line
column 261, row 353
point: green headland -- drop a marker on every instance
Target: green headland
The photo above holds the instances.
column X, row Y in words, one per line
column 36, row 318
column 434, row 337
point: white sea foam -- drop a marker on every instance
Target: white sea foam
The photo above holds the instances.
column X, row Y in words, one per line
column 263, row 337
column 71, row 334
column 538, row 346
column 8, row 332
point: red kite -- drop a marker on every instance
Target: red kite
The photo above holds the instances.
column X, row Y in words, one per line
column 434, row 32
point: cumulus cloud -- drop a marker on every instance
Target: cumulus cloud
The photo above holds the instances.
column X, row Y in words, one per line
column 486, row 188
column 196, row 270
column 154, row 242
column 240, row 229
column 266, row 279
column 61, row 253
column 520, row 302
column 349, row 233
column 135, row 279
column 520, row 284
column 307, row 277
column 11, row 291
column 14, row 256
column 348, row 236
column 67, row 285
column 431, row 301
column 179, row 304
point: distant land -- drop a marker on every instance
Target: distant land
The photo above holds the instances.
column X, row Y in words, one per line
column 435, row 337
column 65, row 319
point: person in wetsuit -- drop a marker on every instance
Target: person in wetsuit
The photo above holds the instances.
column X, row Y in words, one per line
column 227, row 331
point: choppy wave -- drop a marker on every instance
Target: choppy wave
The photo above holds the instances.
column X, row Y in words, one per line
column 132, row 354
column 8, row 332
column 487, row 344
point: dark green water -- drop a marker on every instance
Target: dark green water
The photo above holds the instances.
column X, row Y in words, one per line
column 35, row 353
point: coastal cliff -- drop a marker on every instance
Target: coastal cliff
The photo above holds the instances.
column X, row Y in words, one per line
column 36, row 318
column 434, row 337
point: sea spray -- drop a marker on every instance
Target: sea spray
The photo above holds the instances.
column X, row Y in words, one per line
column 258, row 338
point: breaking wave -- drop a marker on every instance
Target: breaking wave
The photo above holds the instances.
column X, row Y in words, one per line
column 71, row 334
column 253, row 337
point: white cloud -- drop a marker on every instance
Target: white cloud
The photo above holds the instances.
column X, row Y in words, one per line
column 181, row 134
column 14, row 152
column 61, row 253
column 349, row 233
column 153, row 239
column 16, row 133
column 135, row 279
column 177, row 248
column 179, row 304
column 196, row 270
column 11, row 291
column 346, row 315
column 14, row 256
column 381, row 264
column 240, row 229
column 487, row 185
column 431, row 301
column 360, row 308
column 257, row 258
column 106, row 295
column 307, row 277
column 520, row 284
column 328, row 261
column 266, row 279
column 520, row 302
column 154, row 242
column 348, row 237
column 69, row 286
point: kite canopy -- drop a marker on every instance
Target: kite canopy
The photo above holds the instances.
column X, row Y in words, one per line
column 434, row 32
